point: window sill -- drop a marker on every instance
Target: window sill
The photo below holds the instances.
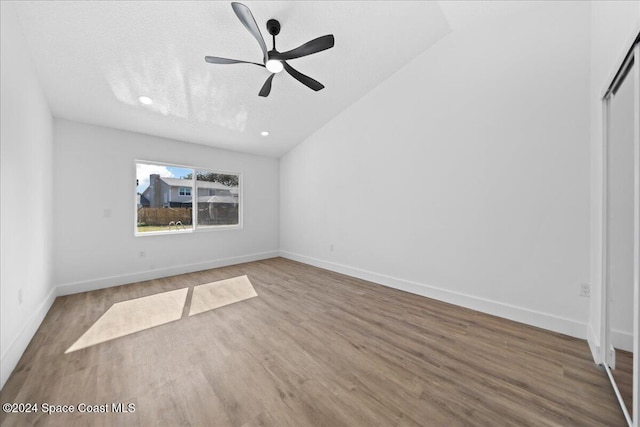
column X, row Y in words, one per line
column 201, row 229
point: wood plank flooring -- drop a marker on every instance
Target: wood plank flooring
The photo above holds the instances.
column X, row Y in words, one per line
column 314, row 348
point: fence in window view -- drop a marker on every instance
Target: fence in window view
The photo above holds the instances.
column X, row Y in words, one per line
column 163, row 216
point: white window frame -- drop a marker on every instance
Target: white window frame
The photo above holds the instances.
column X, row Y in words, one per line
column 186, row 192
column 194, row 210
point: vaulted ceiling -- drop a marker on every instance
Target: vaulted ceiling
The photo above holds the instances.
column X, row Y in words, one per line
column 95, row 59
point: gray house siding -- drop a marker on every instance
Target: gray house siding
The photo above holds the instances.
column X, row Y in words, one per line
column 165, row 192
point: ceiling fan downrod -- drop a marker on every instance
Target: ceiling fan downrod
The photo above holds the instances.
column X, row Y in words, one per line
column 273, row 26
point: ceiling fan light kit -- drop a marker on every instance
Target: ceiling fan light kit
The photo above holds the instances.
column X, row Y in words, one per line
column 274, row 66
column 273, row 60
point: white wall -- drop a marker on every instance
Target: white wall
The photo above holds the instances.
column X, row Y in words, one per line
column 95, row 170
column 464, row 176
column 613, row 24
column 26, row 145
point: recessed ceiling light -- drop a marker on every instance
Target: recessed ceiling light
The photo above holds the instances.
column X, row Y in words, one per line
column 264, row 133
column 145, row 100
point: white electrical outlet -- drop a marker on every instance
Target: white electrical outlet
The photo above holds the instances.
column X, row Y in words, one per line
column 585, row 290
column 331, row 247
column 143, row 254
column 19, row 296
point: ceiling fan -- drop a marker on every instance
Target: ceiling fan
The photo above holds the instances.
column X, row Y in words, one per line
column 273, row 60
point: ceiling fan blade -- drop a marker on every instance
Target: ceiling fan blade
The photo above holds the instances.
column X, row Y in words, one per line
column 217, row 60
column 244, row 15
column 266, row 87
column 313, row 46
column 305, row 80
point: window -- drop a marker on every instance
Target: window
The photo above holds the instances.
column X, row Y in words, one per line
column 178, row 199
column 217, row 198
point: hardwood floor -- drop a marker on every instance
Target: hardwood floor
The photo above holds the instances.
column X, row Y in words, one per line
column 314, row 348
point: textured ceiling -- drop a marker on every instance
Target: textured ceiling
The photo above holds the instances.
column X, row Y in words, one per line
column 95, row 59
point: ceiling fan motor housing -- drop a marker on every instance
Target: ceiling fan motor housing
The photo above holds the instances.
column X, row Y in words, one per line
column 273, row 26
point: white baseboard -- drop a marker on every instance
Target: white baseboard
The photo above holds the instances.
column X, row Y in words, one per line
column 594, row 344
column 539, row 319
column 622, row 340
column 12, row 354
column 107, row 282
column 619, row 340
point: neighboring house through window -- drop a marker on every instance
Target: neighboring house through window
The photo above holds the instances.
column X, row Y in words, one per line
column 165, row 199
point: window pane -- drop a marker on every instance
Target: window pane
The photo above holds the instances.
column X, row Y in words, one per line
column 218, row 198
column 164, row 198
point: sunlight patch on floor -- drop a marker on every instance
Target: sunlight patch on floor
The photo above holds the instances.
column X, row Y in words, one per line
column 132, row 316
column 218, row 294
